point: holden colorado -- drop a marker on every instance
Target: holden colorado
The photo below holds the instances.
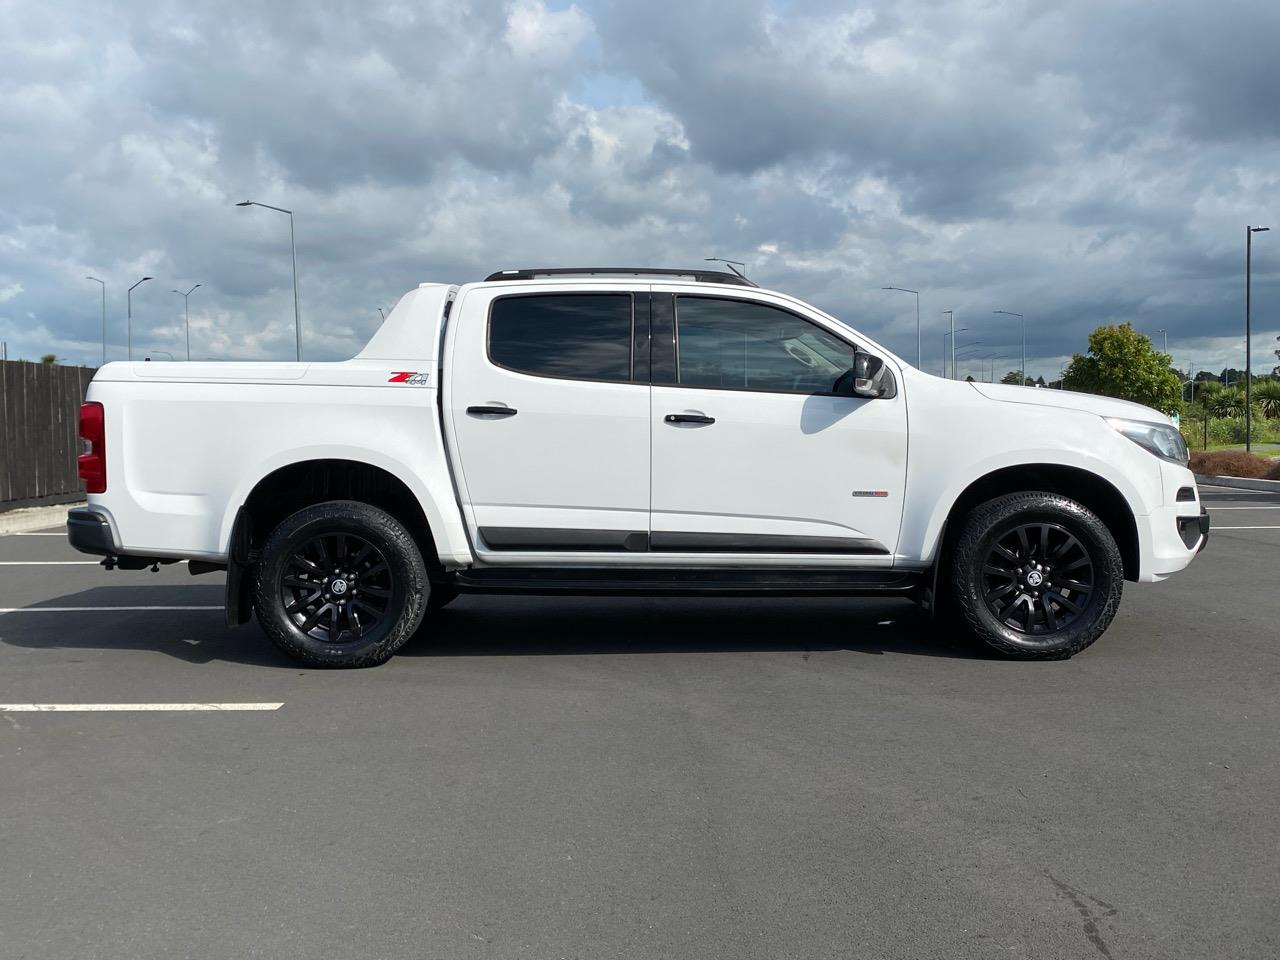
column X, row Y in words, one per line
column 624, row 431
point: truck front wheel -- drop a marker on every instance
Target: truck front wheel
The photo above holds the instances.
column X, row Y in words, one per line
column 1036, row 576
column 340, row 584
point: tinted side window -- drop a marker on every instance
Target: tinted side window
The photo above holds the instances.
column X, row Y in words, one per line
column 749, row 346
column 571, row 336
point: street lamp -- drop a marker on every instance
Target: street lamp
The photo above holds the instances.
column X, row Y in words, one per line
column 919, row 354
column 952, row 334
column 129, row 298
column 1248, row 333
column 186, row 305
column 1010, row 313
column 293, row 249
column 104, row 316
column 952, row 315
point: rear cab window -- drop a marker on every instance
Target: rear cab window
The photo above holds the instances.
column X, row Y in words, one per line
column 568, row 336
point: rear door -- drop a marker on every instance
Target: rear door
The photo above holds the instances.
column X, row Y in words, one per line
column 756, row 456
column 549, row 400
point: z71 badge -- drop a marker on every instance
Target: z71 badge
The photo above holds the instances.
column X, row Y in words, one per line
column 411, row 377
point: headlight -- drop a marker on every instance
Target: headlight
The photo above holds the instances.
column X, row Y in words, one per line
column 1162, row 439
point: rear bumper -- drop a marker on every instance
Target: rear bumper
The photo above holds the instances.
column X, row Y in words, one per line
column 90, row 532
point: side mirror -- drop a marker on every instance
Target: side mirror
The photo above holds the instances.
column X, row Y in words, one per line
column 869, row 379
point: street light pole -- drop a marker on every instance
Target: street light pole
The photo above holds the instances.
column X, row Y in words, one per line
column 952, row 335
column 293, row 250
column 1010, row 313
column 104, row 316
column 1166, row 339
column 1248, row 334
column 186, row 305
column 919, row 352
column 129, row 299
column 952, row 315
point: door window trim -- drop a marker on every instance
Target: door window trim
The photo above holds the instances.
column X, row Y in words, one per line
column 632, row 340
column 675, row 328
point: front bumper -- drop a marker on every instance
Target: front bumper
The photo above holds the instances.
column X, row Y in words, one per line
column 1192, row 529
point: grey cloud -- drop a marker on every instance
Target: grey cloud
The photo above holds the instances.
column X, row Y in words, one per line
column 1080, row 162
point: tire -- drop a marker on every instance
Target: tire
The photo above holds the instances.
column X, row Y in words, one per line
column 1063, row 581
column 340, row 584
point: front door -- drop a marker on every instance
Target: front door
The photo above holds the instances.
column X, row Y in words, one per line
column 755, row 455
column 551, row 420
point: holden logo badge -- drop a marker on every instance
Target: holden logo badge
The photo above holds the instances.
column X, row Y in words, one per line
column 1034, row 579
column 339, row 587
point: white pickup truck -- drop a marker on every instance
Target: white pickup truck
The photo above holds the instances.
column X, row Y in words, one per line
column 622, row 431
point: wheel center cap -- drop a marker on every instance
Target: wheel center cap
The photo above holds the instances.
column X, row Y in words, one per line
column 1034, row 578
column 338, row 586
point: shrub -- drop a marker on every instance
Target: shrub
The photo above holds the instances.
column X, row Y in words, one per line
column 1224, row 430
column 1274, row 472
column 1232, row 463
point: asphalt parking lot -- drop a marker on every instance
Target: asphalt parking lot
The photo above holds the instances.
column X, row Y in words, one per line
column 642, row 778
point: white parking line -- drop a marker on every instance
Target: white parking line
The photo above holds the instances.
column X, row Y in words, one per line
column 59, row 533
column 49, row 563
column 129, row 707
column 1252, row 506
column 56, row 563
column 95, row 609
column 1216, row 528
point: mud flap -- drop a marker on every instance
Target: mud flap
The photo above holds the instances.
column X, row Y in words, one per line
column 238, row 598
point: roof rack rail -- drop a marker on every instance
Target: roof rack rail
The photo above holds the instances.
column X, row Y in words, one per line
column 701, row 276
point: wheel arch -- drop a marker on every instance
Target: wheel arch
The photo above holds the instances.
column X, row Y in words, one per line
column 303, row 483
column 1084, row 486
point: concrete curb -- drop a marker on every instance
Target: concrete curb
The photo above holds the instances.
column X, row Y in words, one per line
column 1241, row 483
column 33, row 518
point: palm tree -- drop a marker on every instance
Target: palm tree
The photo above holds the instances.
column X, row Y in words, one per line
column 1228, row 402
column 1267, row 396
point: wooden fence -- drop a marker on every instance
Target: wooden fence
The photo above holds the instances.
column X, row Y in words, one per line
column 39, row 432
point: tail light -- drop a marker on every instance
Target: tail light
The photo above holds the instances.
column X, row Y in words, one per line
column 93, row 448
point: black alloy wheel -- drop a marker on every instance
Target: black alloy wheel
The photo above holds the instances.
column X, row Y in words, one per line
column 337, row 587
column 1035, row 575
column 340, row 584
column 1038, row 578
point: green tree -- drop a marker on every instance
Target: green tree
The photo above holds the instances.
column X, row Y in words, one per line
column 1014, row 377
column 1228, row 402
column 1266, row 395
column 49, row 359
column 1122, row 363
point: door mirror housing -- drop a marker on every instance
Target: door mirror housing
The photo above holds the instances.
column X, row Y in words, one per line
column 869, row 378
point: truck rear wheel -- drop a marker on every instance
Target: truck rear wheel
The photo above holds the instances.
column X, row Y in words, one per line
column 1036, row 576
column 340, row 584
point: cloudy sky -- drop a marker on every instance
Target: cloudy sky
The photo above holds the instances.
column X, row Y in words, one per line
column 1081, row 162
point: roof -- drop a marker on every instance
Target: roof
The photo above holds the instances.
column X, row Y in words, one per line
column 701, row 276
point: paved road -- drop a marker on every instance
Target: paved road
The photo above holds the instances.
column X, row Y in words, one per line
column 645, row 779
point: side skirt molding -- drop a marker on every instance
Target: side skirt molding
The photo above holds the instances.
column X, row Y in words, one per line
column 637, row 541
column 628, row 581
